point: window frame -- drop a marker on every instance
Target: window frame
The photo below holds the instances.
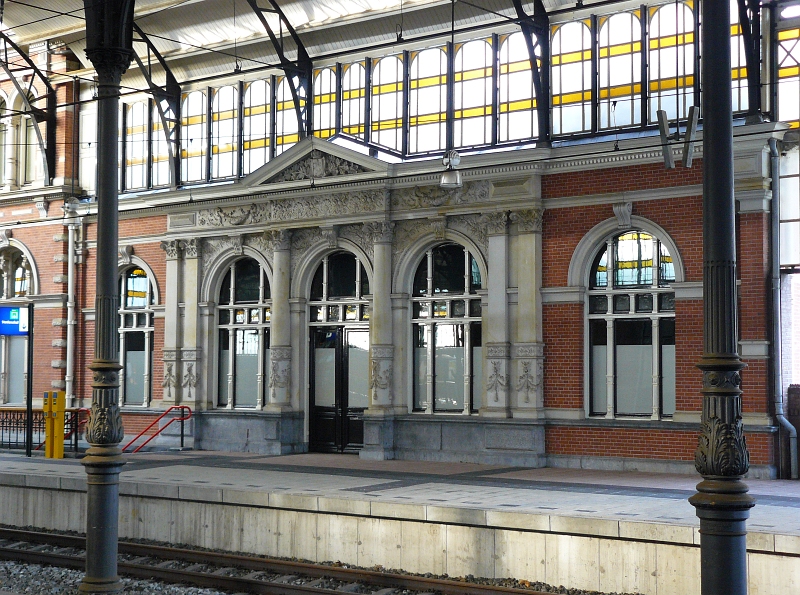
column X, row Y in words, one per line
column 130, row 323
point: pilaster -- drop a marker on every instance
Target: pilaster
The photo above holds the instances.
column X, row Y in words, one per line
column 172, row 323
column 381, row 348
column 280, row 372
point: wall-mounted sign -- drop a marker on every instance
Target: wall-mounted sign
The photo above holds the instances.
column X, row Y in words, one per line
column 13, row 320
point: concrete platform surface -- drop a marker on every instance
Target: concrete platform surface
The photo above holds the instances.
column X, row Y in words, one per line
column 579, row 528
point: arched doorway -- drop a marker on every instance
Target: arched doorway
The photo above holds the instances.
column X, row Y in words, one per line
column 339, row 354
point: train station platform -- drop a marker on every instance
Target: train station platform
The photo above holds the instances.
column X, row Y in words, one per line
column 623, row 532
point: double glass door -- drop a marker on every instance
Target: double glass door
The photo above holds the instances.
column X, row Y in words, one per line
column 339, row 388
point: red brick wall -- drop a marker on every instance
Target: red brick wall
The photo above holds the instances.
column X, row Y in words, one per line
column 563, row 352
column 678, row 445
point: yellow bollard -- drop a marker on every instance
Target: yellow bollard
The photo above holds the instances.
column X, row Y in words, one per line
column 59, row 400
column 47, row 406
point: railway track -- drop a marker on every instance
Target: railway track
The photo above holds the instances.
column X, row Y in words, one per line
column 236, row 573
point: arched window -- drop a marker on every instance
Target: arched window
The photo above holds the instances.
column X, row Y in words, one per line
column 16, row 284
column 224, row 132
column 324, row 102
column 428, row 101
column 136, row 145
column 286, row 127
column 671, row 68
column 631, row 326
column 387, row 102
column 446, row 321
column 517, row 97
column 135, row 337
column 571, row 79
column 474, row 68
column 243, row 314
column 354, row 83
column 620, row 62
column 193, row 137
column 160, row 144
column 256, row 124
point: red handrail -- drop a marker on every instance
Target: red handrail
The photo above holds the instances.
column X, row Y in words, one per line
column 186, row 415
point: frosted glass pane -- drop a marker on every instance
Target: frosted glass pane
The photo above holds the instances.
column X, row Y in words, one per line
column 16, row 369
column 599, row 385
column 325, row 376
column 358, row 369
column 634, row 379
column 245, row 377
column 420, row 375
column 449, row 384
column 477, row 377
column 134, row 377
column 224, row 368
column 667, row 379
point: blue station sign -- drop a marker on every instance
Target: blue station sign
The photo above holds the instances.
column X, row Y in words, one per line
column 13, row 320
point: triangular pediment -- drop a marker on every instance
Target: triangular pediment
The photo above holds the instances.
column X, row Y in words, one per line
column 315, row 159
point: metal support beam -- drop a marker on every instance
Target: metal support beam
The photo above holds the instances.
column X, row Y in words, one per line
column 750, row 22
column 169, row 93
column 299, row 72
column 721, row 501
column 47, row 143
column 538, row 27
column 109, row 42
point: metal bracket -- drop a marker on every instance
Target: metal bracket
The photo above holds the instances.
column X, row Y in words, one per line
column 298, row 72
column 688, row 137
column 538, row 26
column 750, row 23
column 47, row 144
column 171, row 93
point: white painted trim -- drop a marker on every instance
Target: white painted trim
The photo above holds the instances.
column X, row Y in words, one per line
column 688, row 290
column 563, row 295
column 670, row 192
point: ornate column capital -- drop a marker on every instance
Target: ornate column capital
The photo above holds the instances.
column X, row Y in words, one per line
column 382, row 231
column 191, row 248
column 172, row 248
column 496, row 223
column 109, row 40
column 279, row 240
column 528, row 220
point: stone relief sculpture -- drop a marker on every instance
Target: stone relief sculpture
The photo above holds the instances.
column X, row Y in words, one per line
column 317, row 165
column 420, row 197
column 190, row 380
column 170, row 381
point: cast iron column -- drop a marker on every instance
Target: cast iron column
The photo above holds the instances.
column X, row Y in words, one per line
column 722, row 459
column 108, row 45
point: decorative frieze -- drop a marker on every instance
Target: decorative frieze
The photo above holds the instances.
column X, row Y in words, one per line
column 421, row 197
column 528, row 220
column 233, row 216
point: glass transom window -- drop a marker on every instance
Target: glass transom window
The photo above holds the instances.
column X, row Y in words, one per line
column 338, row 291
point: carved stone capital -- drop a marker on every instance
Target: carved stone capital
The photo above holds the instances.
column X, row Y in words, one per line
column 496, row 223
column 110, row 64
column 169, row 355
column 192, row 248
column 280, row 353
column 279, row 240
column 172, row 248
column 498, row 350
column 528, row 220
column 382, row 351
column 382, row 231
column 528, row 350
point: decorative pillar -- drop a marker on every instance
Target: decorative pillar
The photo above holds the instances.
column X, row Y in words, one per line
column 381, row 346
column 10, row 171
column 190, row 352
column 497, row 347
column 528, row 350
column 109, row 33
column 280, row 373
column 722, row 502
column 171, row 357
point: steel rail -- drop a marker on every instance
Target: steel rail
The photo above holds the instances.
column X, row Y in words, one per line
column 252, row 563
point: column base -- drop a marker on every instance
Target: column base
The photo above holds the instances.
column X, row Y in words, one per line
column 378, row 435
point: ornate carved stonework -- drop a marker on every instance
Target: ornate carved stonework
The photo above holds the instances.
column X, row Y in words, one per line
column 279, row 240
column 496, row 223
column 331, row 235
column 529, row 382
column 472, row 226
column 382, row 351
column 383, row 232
column 361, row 235
column 529, row 220
column 5, row 236
column 439, row 227
column 172, row 248
column 237, row 244
column 528, row 350
column 302, row 240
column 280, row 353
column 498, row 350
column 232, row 216
column 623, row 212
column 125, row 253
column 496, row 381
column 105, row 425
column 434, row 196
column 192, row 248
column 170, row 381
column 317, row 165
column 190, row 380
column 323, row 207
column 722, row 449
column 381, row 381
